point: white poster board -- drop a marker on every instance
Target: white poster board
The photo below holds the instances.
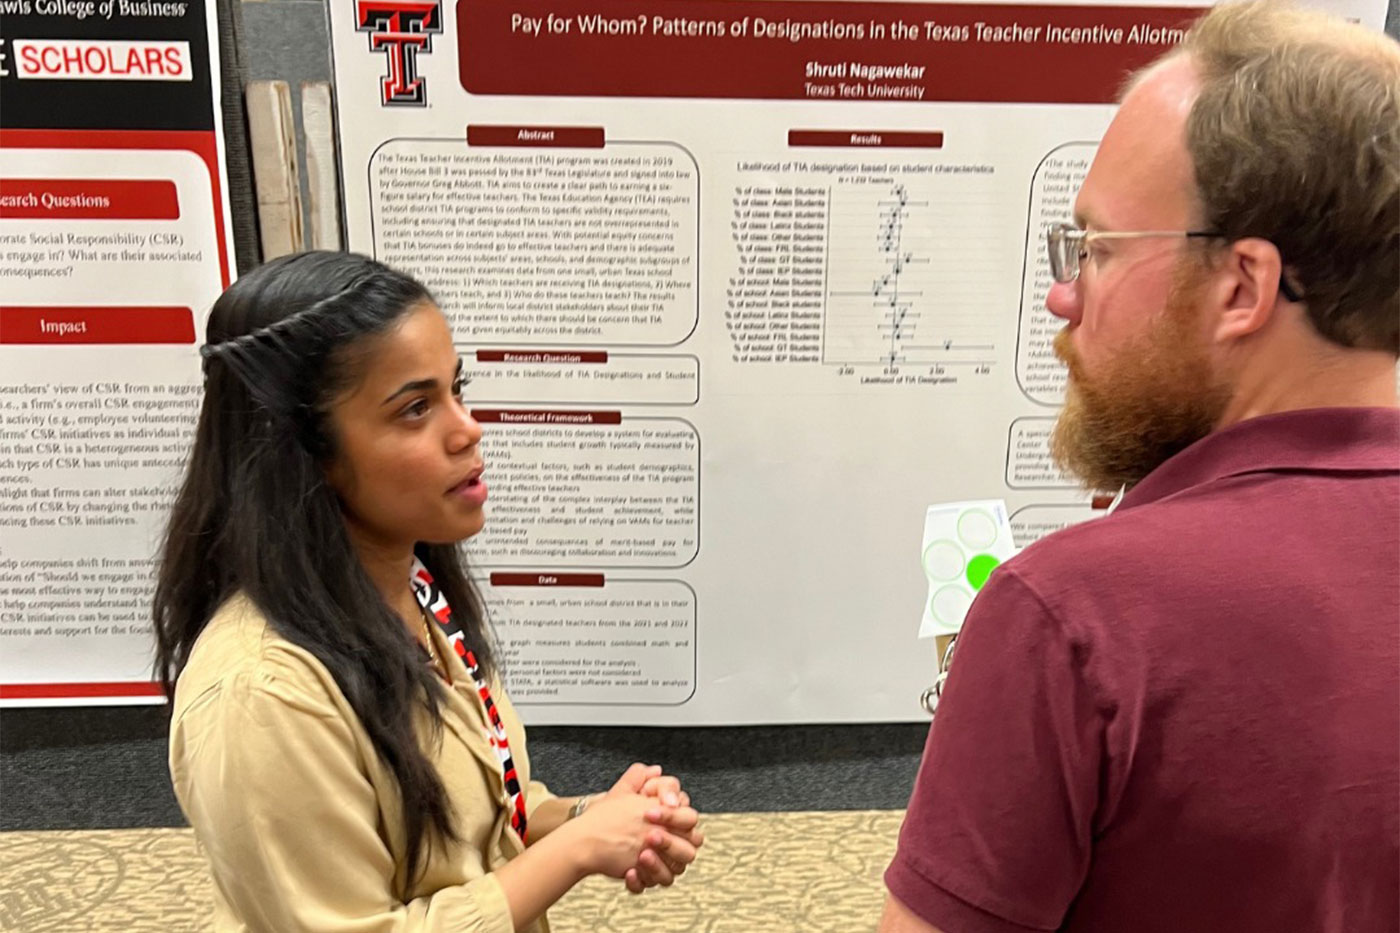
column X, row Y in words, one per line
column 743, row 288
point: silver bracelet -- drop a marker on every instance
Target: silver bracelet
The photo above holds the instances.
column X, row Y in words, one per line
column 579, row 806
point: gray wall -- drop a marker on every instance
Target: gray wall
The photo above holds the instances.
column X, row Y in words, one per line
column 104, row 768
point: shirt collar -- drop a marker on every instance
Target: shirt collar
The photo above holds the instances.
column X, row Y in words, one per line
column 1326, row 440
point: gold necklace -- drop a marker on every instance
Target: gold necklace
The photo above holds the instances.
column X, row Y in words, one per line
column 428, row 640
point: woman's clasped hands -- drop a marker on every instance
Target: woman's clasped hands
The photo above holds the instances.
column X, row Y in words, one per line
column 642, row 831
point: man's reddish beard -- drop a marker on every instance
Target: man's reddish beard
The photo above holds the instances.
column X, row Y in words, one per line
column 1151, row 399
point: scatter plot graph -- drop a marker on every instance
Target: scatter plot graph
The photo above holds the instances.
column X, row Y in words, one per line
column 899, row 310
column 908, row 277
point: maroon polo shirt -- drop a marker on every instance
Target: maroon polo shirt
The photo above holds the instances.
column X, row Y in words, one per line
column 1184, row 716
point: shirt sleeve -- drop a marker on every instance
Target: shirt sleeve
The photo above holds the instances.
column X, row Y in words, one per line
column 268, row 774
column 536, row 794
column 998, row 835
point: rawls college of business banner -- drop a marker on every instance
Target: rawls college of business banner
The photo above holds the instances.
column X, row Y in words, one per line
column 114, row 242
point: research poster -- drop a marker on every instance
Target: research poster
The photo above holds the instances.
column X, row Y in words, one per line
column 743, row 287
column 114, row 242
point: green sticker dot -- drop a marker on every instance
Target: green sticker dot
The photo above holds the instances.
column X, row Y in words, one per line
column 980, row 568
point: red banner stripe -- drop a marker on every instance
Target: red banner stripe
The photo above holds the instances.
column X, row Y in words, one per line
column 126, row 688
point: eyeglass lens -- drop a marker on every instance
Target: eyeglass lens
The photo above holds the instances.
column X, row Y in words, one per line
column 1063, row 247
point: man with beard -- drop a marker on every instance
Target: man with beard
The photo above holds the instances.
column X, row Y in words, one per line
column 1185, row 716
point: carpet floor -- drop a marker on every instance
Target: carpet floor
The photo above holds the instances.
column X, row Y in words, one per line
column 803, row 872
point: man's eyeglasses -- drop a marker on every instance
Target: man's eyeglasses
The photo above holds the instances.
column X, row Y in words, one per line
column 1067, row 248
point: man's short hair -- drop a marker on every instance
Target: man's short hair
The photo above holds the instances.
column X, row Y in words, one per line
column 1295, row 138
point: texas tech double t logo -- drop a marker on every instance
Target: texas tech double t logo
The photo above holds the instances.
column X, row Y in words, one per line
column 399, row 29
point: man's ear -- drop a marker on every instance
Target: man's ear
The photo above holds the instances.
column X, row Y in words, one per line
column 1245, row 290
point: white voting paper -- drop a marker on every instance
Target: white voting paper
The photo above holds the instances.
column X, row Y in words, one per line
column 963, row 543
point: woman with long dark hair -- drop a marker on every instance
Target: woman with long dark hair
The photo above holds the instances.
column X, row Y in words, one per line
column 340, row 740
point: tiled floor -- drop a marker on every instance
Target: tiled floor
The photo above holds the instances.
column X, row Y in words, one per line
column 758, row 873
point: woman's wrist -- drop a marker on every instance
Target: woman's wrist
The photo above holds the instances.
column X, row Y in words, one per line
column 543, row 873
column 578, row 850
column 580, row 805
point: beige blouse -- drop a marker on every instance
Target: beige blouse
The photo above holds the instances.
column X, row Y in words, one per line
column 298, row 817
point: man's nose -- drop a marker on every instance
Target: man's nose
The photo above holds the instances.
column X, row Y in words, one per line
column 1065, row 301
